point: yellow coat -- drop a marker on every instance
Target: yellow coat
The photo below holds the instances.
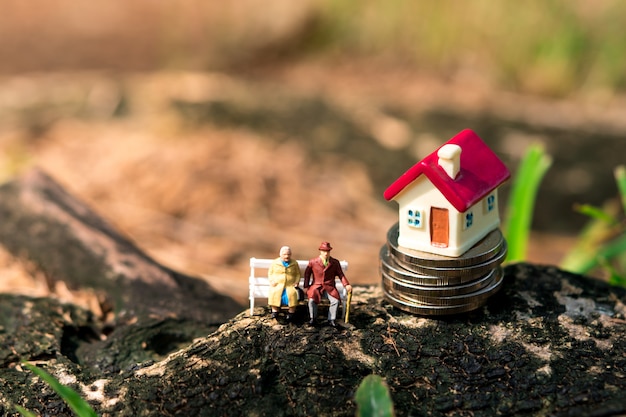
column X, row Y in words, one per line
column 282, row 277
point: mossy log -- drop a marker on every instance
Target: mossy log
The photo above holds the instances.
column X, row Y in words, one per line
column 549, row 343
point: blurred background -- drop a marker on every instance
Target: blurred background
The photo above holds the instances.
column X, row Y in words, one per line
column 210, row 132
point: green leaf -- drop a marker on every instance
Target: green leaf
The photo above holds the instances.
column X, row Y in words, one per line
column 532, row 169
column 80, row 407
column 373, row 399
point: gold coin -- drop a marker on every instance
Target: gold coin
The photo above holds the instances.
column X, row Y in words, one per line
column 456, row 306
column 431, row 291
column 422, row 275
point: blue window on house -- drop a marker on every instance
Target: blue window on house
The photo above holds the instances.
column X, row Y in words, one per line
column 469, row 219
column 414, row 218
column 491, row 203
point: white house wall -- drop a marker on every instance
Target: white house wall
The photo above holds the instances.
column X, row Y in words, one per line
column 422, row 195
column 483, row 223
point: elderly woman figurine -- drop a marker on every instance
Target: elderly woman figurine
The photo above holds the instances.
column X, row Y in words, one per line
column 284, row 276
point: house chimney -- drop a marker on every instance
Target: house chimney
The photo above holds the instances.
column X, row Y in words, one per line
column 450, row 159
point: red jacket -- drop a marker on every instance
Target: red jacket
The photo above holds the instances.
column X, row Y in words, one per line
column 323, row 278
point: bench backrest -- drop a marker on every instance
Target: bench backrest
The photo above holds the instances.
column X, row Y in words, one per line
column 259, row 283
column 256, row 263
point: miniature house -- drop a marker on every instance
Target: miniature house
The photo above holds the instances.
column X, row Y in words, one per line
column 448, row 201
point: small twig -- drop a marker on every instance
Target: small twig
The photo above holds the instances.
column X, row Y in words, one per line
column 389, row 340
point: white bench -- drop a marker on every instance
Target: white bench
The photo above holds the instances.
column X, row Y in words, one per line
column 260, row 284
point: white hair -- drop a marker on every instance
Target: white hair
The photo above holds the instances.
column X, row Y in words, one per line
column 284, row 249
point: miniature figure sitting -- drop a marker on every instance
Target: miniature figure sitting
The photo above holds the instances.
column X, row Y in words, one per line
column 325, row 269
column 284, row 276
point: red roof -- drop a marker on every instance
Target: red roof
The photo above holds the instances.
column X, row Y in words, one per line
column 481, row 172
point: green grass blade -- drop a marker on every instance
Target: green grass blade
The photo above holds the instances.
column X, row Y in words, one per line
column 518, row 220
column 584, row 264
column 613, row 249
column 582, row 258
column 373, row 399
column 615, row 278
column 620, row 178
column 591, row 245
column 80, row 407
column 24, row 411
column 596, row 213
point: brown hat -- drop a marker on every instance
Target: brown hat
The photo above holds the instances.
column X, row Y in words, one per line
column 325, row 246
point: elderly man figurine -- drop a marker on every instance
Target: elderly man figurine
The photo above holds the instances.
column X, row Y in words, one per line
column 284, row 276
column 324, row 269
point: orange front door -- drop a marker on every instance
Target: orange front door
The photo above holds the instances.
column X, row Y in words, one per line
column 439, row 227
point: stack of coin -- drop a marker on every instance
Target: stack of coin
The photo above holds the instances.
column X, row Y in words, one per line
column 428, row 284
